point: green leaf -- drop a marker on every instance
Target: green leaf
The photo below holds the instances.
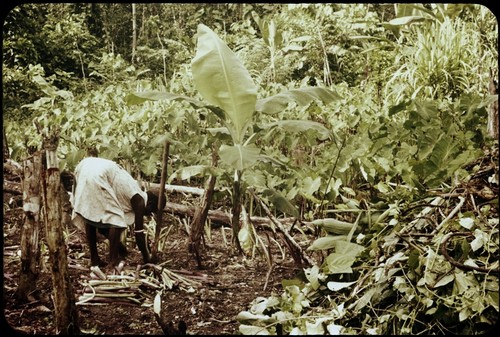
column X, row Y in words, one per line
column 327, row 242
column 280, row 202
column 441, row 152
column 157, row 303
column 300, row 126
column 159, row 140
column 248, row 316
column 223, row 81
column 335, row 286
column 365, row 299
column 187, row 172
column 349, row 248
column 254, row 178
column 394, row 109
column 245, row 238
column 239, row 156
column 333, row 225
column 154, row 95
column 301, row 96
column 336, row 263
column 444, row 280
column 466, row 222
column 313, row 276
column 426, row 109
column 253, row 330
column 405, row 20
column 217, row 131
column 316, row 328
column 292, row 282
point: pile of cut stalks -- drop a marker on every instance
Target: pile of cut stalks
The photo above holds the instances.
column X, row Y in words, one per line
column 135, row 287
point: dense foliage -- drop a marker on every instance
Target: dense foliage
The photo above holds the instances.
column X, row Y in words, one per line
column 407, row 112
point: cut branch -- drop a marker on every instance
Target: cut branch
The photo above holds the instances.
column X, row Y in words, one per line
column 295, row 250
column 162, row 196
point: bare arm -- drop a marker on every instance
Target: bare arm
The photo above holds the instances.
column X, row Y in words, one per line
column 139, row 208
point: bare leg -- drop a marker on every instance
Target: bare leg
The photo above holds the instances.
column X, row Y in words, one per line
column 122, row 248
column 114, row 245
column 92, row 243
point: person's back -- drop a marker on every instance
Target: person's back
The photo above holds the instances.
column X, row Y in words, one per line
column 103, row 190
column 108, row 198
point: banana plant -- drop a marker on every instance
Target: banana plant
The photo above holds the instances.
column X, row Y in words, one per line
column 229, row 91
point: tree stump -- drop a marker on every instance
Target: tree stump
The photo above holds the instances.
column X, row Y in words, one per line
column 30, row 250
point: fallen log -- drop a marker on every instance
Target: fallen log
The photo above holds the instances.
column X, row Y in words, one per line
column 13, row 168
column 221, row 217
column 154, row 187
column 12, row 187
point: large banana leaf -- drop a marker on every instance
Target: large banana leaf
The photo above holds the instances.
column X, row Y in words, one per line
column 239, row 156
column 223, row 81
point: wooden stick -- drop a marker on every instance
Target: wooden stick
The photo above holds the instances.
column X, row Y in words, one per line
column 159, row 213
column 297, row 253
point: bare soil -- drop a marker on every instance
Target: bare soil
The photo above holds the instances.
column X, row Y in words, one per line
column 234, row 280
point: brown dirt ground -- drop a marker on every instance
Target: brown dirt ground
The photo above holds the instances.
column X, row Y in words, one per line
column 210, row 310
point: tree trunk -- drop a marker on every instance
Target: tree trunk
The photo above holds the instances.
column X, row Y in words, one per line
column 235, row 221
column 30, row 250
column 134, row 32
column 493, row 109
column 201, row 214
column 66, row 315
column 6, row 151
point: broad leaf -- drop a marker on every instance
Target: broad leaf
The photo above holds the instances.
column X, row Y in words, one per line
column 252, row 330
column 223, row 81
column 157, row 303
column 326, row 242
column 154, row 95
column 245, row 239
column 239, row 156
column 335, row 286
column 280, row 202
column 300, row 126
column 248, row 316
column 336, row 263
column 187, row 172
column 348, row 248
column 218, row 131
column 302, row 96
column 406, row 20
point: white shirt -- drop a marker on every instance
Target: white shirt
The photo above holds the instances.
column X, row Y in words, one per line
column 103, row 192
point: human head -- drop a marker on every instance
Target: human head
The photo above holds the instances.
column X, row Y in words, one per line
column 152, row 204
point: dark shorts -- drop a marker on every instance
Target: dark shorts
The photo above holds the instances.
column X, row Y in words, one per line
column 99, row 225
